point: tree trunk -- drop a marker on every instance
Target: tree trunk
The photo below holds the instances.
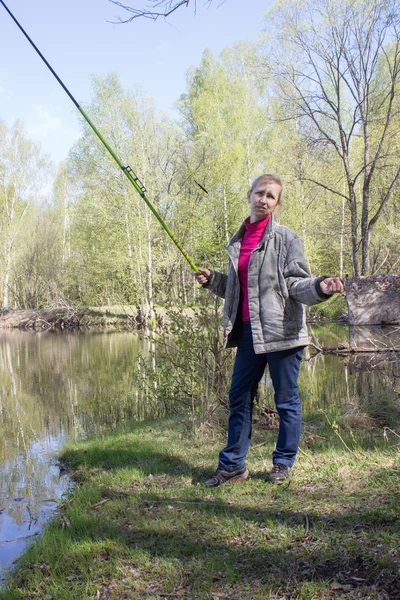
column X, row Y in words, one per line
column 150, row 304
column 7, row 269
column 226, row 229
column 354, row 236
column 341, row 240
column 365, row 192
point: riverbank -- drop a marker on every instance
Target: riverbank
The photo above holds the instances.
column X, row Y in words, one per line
column 140, row 524
column 128, row 317
column 62, row 318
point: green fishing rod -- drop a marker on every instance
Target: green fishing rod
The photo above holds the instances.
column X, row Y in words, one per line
column 135, row 181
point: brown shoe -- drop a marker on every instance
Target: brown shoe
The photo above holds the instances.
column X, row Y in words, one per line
column 222, row 477
column 279, row 473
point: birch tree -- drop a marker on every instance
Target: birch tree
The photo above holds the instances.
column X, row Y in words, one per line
column 118, row 244
column 22, row 174
column 227, row 122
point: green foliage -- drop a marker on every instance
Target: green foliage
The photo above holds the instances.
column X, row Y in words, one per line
column 268, row 106
column 228, row 125
column 23, row 171
column 333, row 308
column 190, row 371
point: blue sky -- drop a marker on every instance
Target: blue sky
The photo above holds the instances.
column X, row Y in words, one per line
column 78, row 40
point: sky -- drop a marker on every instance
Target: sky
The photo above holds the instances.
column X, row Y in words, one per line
column 79, row 39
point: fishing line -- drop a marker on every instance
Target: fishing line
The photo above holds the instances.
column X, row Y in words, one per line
column 133, row 178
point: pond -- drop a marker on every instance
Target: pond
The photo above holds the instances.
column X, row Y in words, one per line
column 56, row 387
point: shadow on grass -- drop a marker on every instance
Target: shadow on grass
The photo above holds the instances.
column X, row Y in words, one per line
column 152, row 458
column 312, row 552
column 143, row 458
column 149, row 461
column 211, row 533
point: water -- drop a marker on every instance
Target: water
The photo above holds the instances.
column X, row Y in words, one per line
column 56, row 387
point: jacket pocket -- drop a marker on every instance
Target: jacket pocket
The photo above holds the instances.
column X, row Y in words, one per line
column 293, row 310
column 287, row 307
column 281, row 299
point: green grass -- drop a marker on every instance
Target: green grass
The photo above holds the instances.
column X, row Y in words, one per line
column 140, row 524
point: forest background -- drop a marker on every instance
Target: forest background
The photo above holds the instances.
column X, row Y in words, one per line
column 315, row 99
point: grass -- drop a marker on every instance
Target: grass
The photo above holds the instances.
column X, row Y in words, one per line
column 139, row 523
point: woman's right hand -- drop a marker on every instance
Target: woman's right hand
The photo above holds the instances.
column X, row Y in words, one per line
column 203, row 276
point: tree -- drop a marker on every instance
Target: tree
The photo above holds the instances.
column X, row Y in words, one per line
column 117, row 247
column 158, row 8
column 338, row 72
column 227, row 123
column 38, row 272
column 22, row 171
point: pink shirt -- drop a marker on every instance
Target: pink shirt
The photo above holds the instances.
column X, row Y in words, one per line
column 251, row 237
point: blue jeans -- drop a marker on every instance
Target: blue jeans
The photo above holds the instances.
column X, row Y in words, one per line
column 249, row 367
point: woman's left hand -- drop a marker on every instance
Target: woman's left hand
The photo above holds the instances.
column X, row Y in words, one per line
column 332, row 285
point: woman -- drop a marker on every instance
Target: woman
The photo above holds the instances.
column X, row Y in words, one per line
column 268, row 281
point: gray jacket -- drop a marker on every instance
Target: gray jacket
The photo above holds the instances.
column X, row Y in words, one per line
column 279, row 283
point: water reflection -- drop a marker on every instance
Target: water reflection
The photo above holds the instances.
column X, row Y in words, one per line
column 59, row 386
column 365, row 381
column 55, row 386
column 377, row 339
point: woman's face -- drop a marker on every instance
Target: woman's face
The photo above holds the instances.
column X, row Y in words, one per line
column 263, row 199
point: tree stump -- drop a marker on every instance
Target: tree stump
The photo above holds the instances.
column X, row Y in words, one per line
column 373, row 300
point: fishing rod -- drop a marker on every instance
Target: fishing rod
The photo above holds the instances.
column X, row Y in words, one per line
column 133, row 178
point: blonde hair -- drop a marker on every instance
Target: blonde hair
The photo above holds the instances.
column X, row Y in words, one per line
column 271, row 177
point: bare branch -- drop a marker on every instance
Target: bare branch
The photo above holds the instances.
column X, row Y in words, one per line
column 159, row 8
column 326, row 187
column 384, row 200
